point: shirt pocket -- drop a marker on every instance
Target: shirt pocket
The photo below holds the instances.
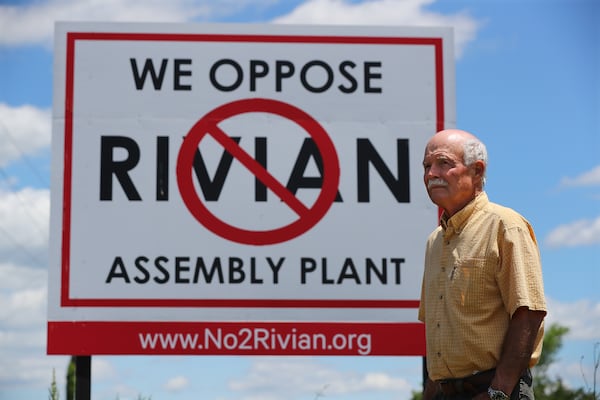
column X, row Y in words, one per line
column 468, row 282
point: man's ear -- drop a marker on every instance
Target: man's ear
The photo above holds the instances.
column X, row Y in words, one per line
column 479, row 169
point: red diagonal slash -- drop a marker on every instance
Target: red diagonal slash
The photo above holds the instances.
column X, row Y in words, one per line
column 258, row 170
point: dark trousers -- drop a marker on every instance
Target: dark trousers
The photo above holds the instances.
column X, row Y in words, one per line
column 466, row 389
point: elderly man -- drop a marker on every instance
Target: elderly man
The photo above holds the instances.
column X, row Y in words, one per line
column 482, row 298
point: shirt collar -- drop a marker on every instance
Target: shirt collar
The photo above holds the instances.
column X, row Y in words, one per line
column 458, row 220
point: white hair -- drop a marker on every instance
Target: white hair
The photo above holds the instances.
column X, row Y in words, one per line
column 474, row 150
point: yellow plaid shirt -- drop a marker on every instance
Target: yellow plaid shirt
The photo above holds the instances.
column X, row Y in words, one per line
column 480, row 266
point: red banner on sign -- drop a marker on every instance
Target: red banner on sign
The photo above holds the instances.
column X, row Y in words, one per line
column 236, row 338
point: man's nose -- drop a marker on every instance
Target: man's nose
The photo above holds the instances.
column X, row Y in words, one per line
column 432, row 172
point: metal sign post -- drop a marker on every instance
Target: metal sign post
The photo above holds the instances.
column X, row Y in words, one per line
column 83, row 377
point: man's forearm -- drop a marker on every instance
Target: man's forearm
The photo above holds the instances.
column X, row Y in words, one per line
column 517, row 348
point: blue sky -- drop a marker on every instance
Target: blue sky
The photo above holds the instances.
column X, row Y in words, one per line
column 527, row 83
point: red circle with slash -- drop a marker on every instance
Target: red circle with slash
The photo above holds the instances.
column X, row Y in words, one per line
column 307, row 216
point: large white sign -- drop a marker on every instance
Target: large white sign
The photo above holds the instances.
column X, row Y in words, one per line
column 242, row 189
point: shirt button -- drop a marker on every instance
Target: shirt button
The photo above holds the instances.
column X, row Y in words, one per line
column 441, row 296
column 439, row 354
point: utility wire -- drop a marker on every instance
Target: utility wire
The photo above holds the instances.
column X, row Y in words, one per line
column 35, row 221
column 32, row 257
column 23, row 155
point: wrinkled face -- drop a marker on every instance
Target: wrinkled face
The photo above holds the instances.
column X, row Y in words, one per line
column 450, row 183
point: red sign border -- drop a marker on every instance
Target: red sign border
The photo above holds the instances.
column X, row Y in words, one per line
column 72, row 37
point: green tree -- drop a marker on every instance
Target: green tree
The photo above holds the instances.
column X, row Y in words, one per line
column 53, row 393
column 71, row 379
column 416, row 395
column 544, row 387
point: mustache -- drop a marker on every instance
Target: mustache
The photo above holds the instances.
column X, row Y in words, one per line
column 436, row 182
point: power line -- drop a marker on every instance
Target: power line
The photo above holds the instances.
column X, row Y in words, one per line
column 23, row 155
column 22, row 248
column 23, row 205
column 35, row 223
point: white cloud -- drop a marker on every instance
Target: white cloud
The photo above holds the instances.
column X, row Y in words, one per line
column 123, row 391
column 573, row 374
column 24, row 130
column 585, row 232
column 581, row 317
column 23, row 299
column 23, row 308
column 102, row 369
column 34, row 24
column 30, row 369
column 176, row 384
column 574, row 362
column 589, row 178
column 25, row 221
column 19, row 339
column 20, row 277
column 383, row 12
column 381, row 381
column 279, row 378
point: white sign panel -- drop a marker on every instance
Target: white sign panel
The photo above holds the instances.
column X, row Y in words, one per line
column 257, row 181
